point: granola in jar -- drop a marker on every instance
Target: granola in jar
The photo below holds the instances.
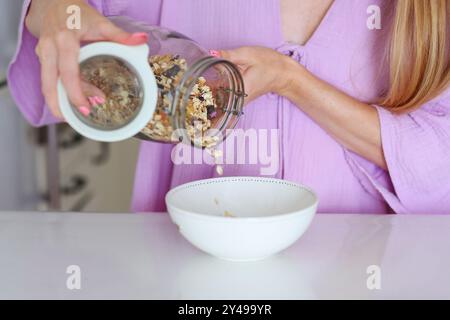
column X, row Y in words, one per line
column 200, row 109
column 118, row 84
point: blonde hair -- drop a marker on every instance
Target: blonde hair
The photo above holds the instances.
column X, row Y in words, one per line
column 418, row 54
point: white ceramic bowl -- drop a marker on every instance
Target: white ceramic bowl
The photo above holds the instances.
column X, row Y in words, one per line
column 268, row 215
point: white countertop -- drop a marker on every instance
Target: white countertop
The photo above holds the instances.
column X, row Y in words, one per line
column 144, row 257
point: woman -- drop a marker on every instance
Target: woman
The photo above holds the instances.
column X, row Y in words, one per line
column 362, row 111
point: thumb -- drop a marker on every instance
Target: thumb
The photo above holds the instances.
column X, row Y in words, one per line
column 109, row 31
column 240, row 56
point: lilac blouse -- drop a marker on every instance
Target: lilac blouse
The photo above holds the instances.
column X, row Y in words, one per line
column 344, row 52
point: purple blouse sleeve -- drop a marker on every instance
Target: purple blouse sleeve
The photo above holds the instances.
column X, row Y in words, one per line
column 417, row 151
column 24, row 75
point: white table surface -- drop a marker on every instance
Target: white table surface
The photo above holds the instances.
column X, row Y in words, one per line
column 144, row 257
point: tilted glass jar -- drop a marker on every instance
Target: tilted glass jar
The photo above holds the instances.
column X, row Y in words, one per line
column 169, row 90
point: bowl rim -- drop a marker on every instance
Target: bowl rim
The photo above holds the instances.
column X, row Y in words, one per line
column 241, row 178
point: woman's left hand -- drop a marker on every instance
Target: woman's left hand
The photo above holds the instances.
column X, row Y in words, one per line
column 352, row 123
column 264, row 70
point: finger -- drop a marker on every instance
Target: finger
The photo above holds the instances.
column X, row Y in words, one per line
column 69, row 70
column 241, row 56
column 94, row 95
column 48, row 57
column 215, row 53
column 90, row 90
column 108, row 31
column 251, row 79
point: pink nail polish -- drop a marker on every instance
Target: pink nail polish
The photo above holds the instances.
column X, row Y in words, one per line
column 93, row 101
column 136, row 38
column 84, row 111
column 139, row 35
column 214, row 53
column 99, row 100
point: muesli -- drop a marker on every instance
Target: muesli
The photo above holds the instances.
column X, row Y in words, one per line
column 118, row 83
column 200, row 110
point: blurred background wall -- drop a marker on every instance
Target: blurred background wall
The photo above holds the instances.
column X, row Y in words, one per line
column 56, row 169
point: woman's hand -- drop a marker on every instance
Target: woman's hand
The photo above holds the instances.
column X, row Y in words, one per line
column 58, row 47
column 264, row 70
column 352, row 123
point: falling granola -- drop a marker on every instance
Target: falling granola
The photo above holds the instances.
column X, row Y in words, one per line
column 228, row 214
column 217, row 155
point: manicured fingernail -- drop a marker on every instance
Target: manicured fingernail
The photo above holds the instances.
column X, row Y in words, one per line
column 136, row 38
column 84, row 111
column 139, row 35
column 99, row 100
column 214, row 53
column 93, row 101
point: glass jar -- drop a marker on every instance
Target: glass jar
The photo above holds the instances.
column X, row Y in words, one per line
column 168, row 90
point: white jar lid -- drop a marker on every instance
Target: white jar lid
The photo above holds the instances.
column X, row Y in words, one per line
column 136, row 57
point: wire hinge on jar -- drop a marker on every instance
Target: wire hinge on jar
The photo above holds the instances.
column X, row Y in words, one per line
column 240, row 95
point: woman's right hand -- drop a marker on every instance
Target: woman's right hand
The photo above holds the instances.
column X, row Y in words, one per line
column 58, row 47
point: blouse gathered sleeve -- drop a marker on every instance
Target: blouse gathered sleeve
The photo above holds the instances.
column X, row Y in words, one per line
column 416, row 147
column 24, row 76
